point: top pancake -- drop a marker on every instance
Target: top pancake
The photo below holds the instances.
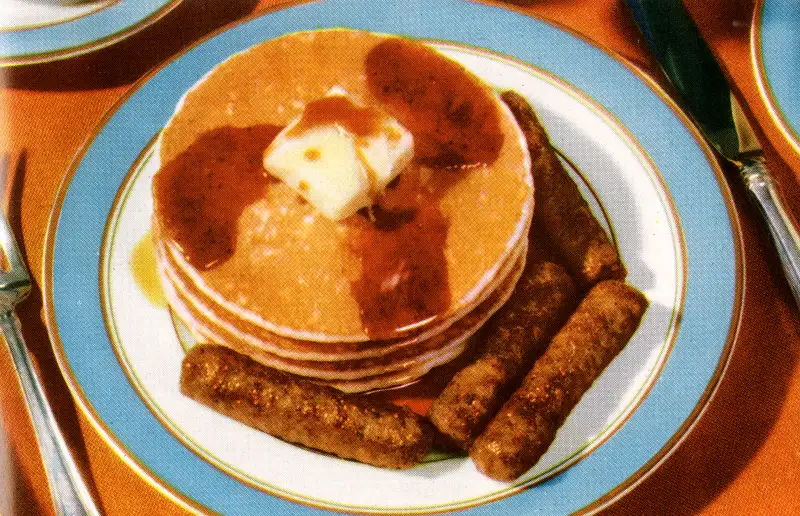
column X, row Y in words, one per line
column 298, row 274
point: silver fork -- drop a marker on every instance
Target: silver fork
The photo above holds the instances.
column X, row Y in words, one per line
column 69, row 492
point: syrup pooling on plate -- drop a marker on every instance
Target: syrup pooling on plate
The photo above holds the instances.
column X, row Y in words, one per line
column 144, row 271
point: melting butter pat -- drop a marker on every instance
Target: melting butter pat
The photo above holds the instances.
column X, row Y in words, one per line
column 340, row 155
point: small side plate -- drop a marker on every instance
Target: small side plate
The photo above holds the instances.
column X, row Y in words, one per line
column 775, row 47
column 35, row 31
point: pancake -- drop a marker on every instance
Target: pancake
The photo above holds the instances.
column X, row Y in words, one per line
column 248, row 263
column 396, row 365
column 219, row 310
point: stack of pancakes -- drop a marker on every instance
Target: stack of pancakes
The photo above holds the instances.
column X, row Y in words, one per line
column 284, row 294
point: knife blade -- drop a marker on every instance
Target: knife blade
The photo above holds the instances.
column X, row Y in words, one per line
column 705, row 94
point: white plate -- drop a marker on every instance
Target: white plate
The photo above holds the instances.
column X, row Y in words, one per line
column 648, row 177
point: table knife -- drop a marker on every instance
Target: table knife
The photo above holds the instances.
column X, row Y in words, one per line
column 705, row 94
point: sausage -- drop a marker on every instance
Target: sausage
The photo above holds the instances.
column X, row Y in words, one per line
column 299, row 411
column 513, row 338
column 561, row 211
column 526, row 425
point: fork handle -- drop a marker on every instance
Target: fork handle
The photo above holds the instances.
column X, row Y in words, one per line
column 767, row 197
column 69, row 492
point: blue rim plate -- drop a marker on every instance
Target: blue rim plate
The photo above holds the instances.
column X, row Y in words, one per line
column 691, row 364
column 776, row 57
column 89, row 29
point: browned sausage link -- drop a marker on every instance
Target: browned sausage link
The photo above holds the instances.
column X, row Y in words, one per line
column 525, row 427
column 514, row 337
column 303, row 412
column 561, row 211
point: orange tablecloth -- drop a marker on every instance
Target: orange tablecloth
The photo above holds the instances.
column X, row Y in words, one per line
column 743, row 457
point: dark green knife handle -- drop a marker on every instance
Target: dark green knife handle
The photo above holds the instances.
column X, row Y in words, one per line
column 686, row 59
